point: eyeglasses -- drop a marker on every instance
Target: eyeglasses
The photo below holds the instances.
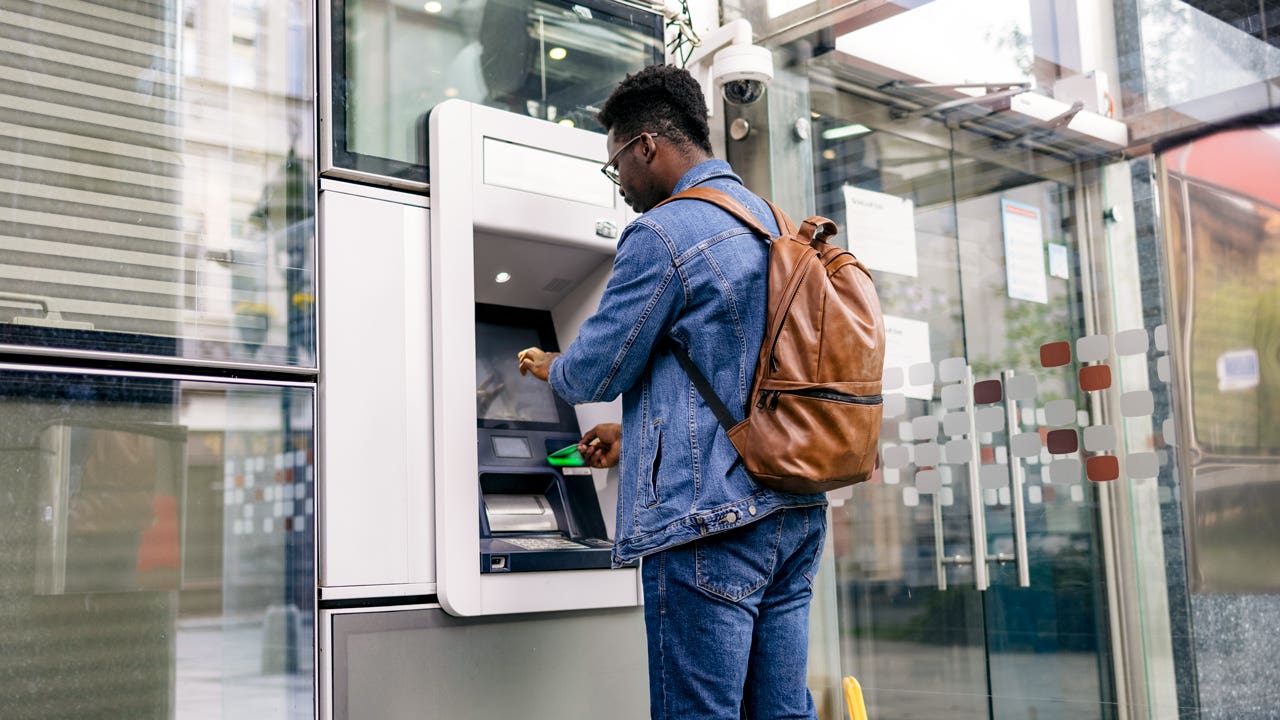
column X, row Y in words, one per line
column 610, row 169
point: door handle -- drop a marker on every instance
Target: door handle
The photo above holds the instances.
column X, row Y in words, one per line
column 939, row 562
column 977, row 511
column 1017, row 479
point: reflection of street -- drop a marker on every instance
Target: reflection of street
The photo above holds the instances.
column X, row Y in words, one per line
column 219, row 671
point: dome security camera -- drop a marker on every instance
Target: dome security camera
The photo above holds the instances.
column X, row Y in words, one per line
column 742, row 72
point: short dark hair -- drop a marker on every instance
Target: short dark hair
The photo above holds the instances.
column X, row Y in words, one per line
column 661, row 99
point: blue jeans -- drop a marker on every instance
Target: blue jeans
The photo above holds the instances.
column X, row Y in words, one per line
column 727, row 618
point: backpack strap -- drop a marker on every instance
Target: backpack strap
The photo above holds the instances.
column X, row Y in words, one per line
column 729, row 204
column 784, row 223
column 708, row 393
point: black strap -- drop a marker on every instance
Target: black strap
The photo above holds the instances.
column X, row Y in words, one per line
column 709, row 396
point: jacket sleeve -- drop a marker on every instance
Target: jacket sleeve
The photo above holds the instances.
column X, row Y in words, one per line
column 640, row 302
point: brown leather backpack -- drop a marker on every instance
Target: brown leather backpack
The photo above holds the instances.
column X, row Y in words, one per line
column 814, row 420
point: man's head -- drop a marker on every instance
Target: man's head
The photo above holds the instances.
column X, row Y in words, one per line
column 657, row 123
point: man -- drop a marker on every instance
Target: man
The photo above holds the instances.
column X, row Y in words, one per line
column 728, row 565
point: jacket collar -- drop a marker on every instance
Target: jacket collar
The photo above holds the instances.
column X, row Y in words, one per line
column 705, row 171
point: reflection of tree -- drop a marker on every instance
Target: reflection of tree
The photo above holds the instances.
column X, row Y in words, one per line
column 1164, row 25
column 1020, row 44
column 1028, row 325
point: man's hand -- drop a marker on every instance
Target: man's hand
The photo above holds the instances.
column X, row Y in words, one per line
column 602, row 445
column 537, row 361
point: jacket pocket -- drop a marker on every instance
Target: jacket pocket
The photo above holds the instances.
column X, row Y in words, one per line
column 648, row 490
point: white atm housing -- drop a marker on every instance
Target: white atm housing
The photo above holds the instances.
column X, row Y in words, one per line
column 516, row 195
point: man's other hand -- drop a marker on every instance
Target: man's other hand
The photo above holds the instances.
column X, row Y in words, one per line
column 602, row 445
column 537, row 361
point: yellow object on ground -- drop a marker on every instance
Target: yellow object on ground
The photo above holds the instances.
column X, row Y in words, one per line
column 853, row 699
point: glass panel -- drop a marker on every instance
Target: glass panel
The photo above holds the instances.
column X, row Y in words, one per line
column 156, row 548
column 916, row 650
column 1192, row 52
column 1048, row 643
column 155, row 192
column 992, row 46
column 1221, row 417
column 549, row 59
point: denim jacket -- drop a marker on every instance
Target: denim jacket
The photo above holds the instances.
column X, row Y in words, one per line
column 690, row 272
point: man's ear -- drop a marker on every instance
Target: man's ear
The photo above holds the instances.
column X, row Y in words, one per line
column 649, row 145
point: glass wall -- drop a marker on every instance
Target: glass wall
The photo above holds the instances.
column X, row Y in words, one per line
column 394, row 60
column 156, row 546
column 155, row 179
column 1116, row 328
column 156, row 229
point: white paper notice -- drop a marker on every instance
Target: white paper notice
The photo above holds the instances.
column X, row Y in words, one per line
column 882, row 230
column 906, row 343
column 1024, row 252
column 1058, row 261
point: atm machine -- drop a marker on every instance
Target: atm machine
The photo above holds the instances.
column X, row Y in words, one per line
column 523, row 232
column 539, row 506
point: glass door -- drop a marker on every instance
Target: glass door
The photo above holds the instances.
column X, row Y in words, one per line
column 969, row 570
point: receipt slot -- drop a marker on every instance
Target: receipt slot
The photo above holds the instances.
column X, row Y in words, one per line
column 523, row 232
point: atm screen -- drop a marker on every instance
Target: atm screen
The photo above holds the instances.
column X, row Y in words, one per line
column 502, row 394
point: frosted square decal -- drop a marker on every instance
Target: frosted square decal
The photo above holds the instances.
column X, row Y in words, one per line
column 987, row 392
column 921, row 374
column 895, row 404
column 1025, row 444
column 1169, row 432
column 928, row 454
column 889, row 475
column 957, row 451
column 1004, row 495
column 892, row 378
column 1064, row 471
column 1060, row 412
column 1137, row 403
column 1162, row 338
column 1099, row 438
column 895, row 456
column 1093, row 348
column 1141, row 466
column 924, row 428
column 910, row 497
column 1102, row 468
column 904, row 430
column 954, row 396
column 888, row 431
column 952, row 370
column 990, row 419
column 1132, row 342
column 1034, row 495
column 1021, row 387
column 928, row 481
column 947, row 497
column 1162, row 368
column 1077, row 494
column 956, row 423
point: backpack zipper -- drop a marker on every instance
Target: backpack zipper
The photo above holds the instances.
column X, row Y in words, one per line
column 770, row 397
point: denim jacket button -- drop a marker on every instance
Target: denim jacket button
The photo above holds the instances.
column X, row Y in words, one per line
column 732, row 517
column 751, row 509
